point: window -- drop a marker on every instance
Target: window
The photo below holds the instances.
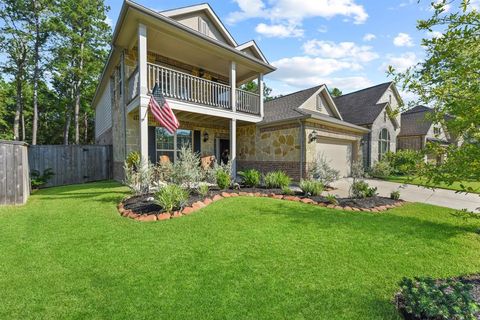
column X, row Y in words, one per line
column 390, row 99
column 203, row 26
column 383, row 143
column 436, row 131
column 319, row 103
column 169, row 144
column 384, row 116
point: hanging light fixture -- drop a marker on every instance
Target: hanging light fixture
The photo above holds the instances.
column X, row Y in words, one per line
column 205, row 136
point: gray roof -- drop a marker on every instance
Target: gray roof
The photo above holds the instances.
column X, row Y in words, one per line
column 286, row 108
column 360, row 107
column 415, row 122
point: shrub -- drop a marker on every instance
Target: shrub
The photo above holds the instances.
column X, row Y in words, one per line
column 395, row 195
column 223, row 179
column 187, row 170
column 361, row 189
column 38, row 179
column 311, row 187
column 163, row 171
column 426, row 298
column 404, row 162
column 320, row 170
column 203, row 189
column 138, row 178
column 381, row 169
column 251, row 177
column 331, row 199
column 277, row 179
column 133, row 160
column 357, row 170
column 287, row 191
column 172, row 197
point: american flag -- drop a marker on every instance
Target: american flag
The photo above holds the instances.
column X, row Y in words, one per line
column 161, row 110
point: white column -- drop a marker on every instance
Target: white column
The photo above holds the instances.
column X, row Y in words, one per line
column 233, row 146
column 260, row 92
column 233, row 85
column 142, row 72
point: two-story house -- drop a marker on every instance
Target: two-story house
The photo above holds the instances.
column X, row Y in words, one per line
column 199, row 68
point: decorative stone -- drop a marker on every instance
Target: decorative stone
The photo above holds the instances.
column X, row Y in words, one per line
column 207, row 201
column 347, row 208
column 338, row 207
column 133, row 215
column 374, row 210
column 250, row 194
column 381, row 208
column 278, row 196
column 257, row 194
column 272, row 195
column 321, row 204
column 188, row 210
column 243, row 194
column 217, row 197
column 331, row 206
column 147, row 217
column 356, row 209
column 225, row 194
column 163, row 216
column 308, row 201
column 289, row 198
column 234, row 194
column 176, row 214
column 199, row 204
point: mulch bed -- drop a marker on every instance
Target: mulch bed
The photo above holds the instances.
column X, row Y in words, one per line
column 473, row 280
column 144, row 208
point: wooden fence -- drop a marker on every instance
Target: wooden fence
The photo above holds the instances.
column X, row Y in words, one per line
column 14, row 174
column 73, row 163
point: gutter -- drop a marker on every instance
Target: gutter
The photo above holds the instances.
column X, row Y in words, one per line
column 302, row 147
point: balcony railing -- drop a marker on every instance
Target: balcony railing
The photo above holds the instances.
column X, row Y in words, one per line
column 183, row 86
column 248, row 102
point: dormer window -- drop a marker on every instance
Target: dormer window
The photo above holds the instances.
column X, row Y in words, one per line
column 436, row 131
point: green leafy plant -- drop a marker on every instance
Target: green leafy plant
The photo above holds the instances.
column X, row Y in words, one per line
column 321, row 170
column 172, row 197
column 404, row 162
column 138, row 178
column 133, row 160
column 311, row 187
column 250, row 177
column 38, row 179
column 288, row 191
column 223, row 179
column 203, row 189
column 186, row 169
column 361, row 189
column 395, row 195
column 381, row 169
column 332, row 199
column 426, row 298
column 277, row 179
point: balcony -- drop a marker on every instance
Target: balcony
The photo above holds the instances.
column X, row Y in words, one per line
column 187, row 88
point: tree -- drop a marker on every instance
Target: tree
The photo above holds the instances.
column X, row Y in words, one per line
column 252, row 86
column 14, row 41
column 448, row 81
column 79, row 57
column 335, row 92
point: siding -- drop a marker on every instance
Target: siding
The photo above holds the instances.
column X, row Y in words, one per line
column 103, row 112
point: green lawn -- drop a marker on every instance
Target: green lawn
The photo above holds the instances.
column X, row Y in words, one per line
column 475, row 185
column 67, row 254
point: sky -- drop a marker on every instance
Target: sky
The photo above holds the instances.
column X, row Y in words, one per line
column 346, row 44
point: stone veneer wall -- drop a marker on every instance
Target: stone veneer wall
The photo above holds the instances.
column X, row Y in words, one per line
column 105, row 138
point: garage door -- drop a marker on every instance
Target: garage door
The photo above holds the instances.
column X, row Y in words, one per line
column 338, row 153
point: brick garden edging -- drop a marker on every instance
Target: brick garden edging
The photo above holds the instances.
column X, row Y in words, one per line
column 202, row 204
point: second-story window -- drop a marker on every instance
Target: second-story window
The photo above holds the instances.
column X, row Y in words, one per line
column 436, row 131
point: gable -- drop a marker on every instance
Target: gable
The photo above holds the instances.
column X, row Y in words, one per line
column 384, row 119
column 392, row 97
column 203, row 19
column 436, row 131
column 321, row 102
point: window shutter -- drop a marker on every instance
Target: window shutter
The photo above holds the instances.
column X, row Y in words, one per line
column 197, row 136
column 152, row 148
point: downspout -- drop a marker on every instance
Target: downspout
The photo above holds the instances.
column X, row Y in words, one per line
column 124, row 103
column 302, row 146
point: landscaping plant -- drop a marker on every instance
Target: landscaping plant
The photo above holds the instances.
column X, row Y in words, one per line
column 250, row 177
column 404, row 162
column 361, row 189
column 172, row 197
column 138, row 178
column 395, row 195
column 277, row 179
column 311, row 187
column 133, row 160
column 38, row 179
column 223, row 179
column 287, row 191
column 426, row 298
column 203, row 189
column 186, row 169
column 381, row 169
column 332, row 199
column 321, row 171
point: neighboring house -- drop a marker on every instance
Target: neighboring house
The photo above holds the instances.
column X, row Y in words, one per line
column 418, row 129
column 199, row 68
column 372, row 108
column 296, row 129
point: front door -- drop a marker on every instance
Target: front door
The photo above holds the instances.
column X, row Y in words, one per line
column 223, row 150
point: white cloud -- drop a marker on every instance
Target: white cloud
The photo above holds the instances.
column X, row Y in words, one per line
column 279, row 30
column 347, row 84
column 434, row 34
column 401, row 62
column 109, row 21
column 403, row 40
column 342, row 50
column 446, row 5
column 293, row 12
column 303, row 71
column 369, row 37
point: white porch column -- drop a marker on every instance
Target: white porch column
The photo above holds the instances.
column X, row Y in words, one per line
column 260, row 92
column 233, row 146
column 233, row 85
column 142, row 72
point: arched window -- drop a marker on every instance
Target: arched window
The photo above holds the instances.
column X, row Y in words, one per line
column 383, row 143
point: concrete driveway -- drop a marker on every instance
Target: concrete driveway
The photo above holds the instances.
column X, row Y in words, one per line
column 439, row 197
